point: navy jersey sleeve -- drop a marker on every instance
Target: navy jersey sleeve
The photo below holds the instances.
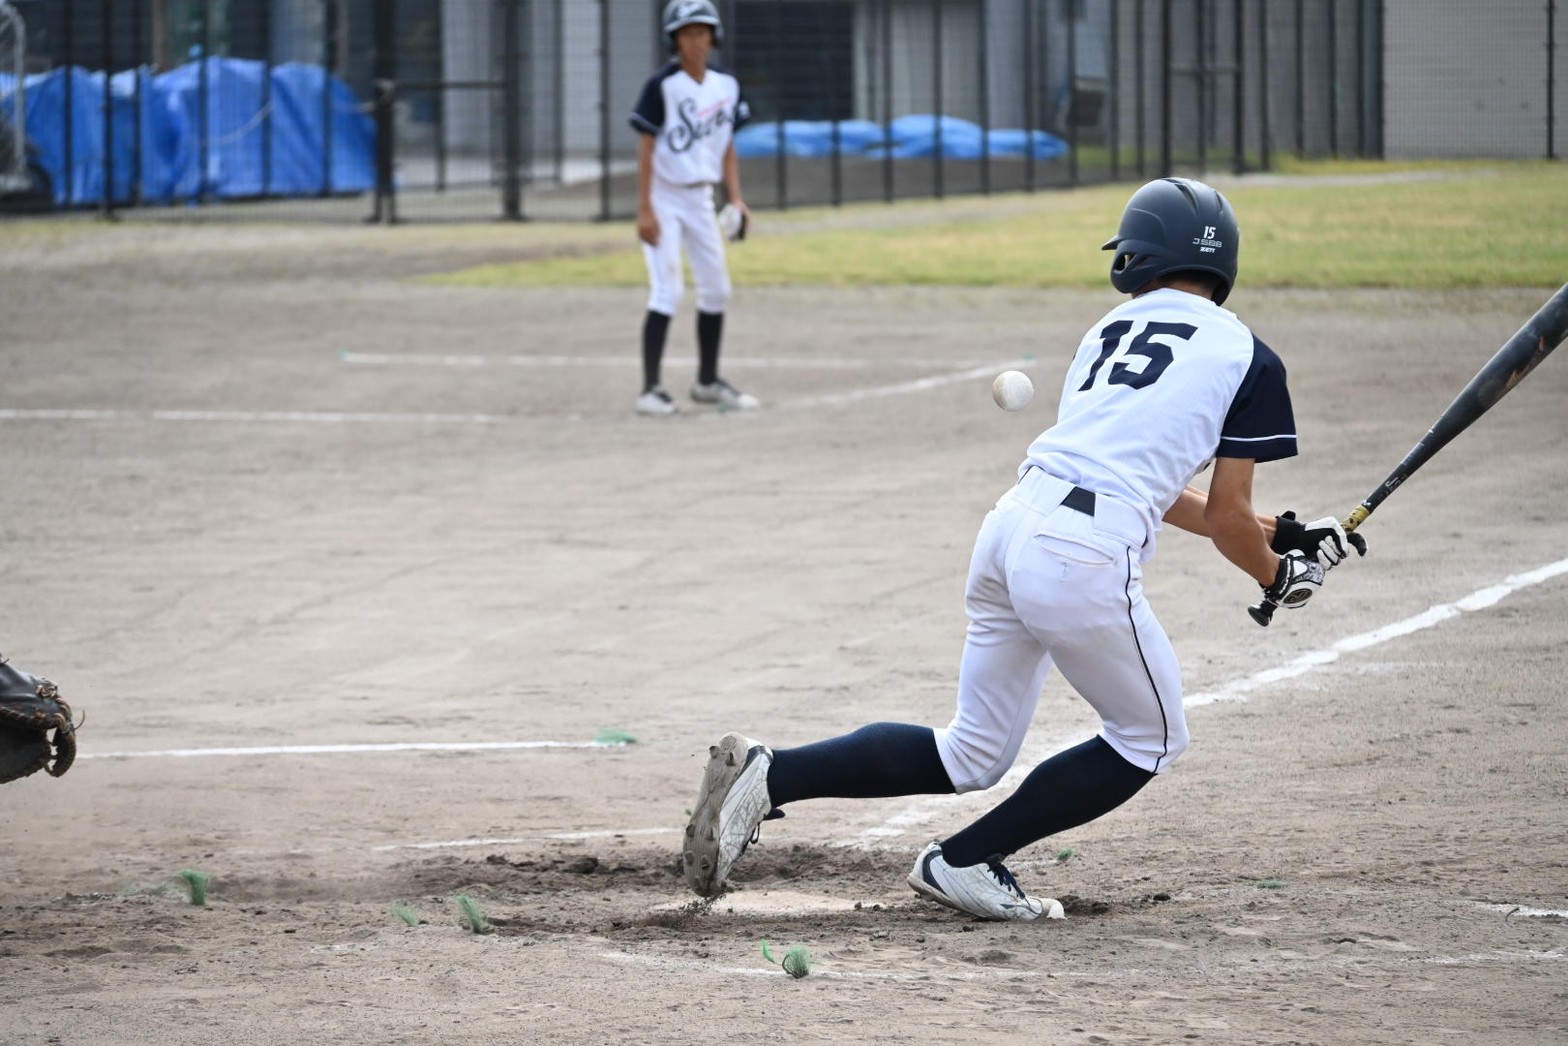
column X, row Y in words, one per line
column 742, row 112
column 648, row 116
column 1260, row 424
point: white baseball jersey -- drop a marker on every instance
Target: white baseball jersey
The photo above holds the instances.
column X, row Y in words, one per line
column 1161, row 386
column 693, row 123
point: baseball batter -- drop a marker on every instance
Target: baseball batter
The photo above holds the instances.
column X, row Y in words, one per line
column 1164, row 385
column 686, row 116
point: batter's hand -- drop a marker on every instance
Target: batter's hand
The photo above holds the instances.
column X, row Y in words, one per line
column 1298, row 578
column 1323, row 539
column 648, row 227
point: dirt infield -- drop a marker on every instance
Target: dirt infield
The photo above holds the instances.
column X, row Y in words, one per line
column 263, row 492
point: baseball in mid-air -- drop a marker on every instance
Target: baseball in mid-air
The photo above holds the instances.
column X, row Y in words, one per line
column 1012, row 390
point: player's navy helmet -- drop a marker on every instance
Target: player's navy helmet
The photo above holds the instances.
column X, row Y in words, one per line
column 1174, row 225
column 678, row 13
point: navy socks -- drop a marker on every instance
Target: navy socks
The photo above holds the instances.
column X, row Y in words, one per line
column 710, row 330
column 1069, row 789
column 883, row 759
column 655, row 328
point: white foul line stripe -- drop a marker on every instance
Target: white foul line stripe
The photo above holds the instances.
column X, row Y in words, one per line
column 928, row 808
column 988, row 370
column 628, row 361
column 320, row 417
column 608, row 833
column 1477, row 600
column 411, row 746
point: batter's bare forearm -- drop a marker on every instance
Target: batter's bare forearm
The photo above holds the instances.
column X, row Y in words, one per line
column 1188, row 514
column 645, row 145
column 1242, row 540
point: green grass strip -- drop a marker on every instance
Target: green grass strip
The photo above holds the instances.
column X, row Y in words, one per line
column 1328, row 226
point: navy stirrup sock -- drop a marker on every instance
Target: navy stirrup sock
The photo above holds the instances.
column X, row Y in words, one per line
column 710, row 330
column 1069, row 789
column 655, row 328
column 876, row 761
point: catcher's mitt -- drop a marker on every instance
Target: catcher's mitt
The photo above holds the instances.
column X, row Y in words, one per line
column 31, row 709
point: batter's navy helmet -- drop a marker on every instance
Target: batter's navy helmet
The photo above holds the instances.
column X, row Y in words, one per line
column 1175, row 225
column 678, row 13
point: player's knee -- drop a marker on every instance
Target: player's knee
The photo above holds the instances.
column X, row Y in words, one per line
column 665, row 298
column 1154, row 750
column 973, row 762
column 714, row 299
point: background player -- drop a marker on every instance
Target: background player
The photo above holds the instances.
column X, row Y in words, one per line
column 1163, row 385
column 687, row 115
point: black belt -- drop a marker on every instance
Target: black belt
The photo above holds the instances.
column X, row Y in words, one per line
column 1080, row 500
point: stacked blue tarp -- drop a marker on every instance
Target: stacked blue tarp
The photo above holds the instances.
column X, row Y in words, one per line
column 254, row 145
column 909, row 137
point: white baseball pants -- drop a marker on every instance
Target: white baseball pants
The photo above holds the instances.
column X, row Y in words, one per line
column 686, row 221
column 1051, row 585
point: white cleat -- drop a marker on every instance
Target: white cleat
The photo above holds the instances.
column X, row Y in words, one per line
column 986, row 891
column 656, row 401
column 725, row 395
column 730, row 806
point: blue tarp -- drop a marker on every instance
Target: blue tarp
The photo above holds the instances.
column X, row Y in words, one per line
column 251, row 148
column 906, row 138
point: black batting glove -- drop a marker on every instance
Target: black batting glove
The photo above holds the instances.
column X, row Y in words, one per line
column 1323, row 539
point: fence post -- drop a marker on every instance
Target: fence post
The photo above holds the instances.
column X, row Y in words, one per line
column 887, row 101
column 936, row 97
column 1238, row 92
column 1072, row 96
column 384, row 76
column 138, row 182
column 1031, row 93
column 985, row 98
column 1301, row 79
column 1165, row 89
column 1264, row 125
column 1140, row 108
column 329, row 46
column 1113, row 94
column 1333, row 80
column 69, row 30
column 266, row 97
column 511, row 112
column 604, row 110
column 203, row 103
column 105, row 16
column 1201, row 63
column 1372, row 79
column 1551, row 79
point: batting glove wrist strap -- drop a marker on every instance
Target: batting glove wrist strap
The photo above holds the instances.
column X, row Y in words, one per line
column 1323, row 539
column 1288, row 534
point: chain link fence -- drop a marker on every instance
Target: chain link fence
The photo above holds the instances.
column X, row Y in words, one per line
column 414, row 110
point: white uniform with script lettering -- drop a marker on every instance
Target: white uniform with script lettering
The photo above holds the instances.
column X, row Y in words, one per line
column 692, row 123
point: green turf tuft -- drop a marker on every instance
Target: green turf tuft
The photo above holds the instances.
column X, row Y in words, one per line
column 197, row 883
column 796, row 961
column 611, row 736
column 1271, row 884
column 472, row 917
column 407, row 914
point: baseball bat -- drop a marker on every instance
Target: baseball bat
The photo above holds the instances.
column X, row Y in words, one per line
column 1519, row 355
